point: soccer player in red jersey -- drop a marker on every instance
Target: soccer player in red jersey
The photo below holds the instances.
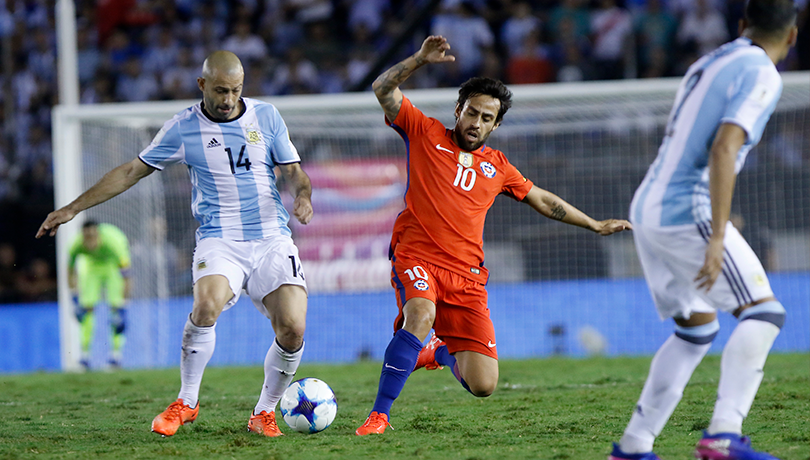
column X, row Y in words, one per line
column 437, row 246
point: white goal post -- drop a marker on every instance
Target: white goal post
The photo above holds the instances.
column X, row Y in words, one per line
column 605, row 131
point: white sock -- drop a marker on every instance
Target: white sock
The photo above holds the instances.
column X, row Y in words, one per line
column 670, row 371
column 279, row 369
column 198, row 347
column 741, row 373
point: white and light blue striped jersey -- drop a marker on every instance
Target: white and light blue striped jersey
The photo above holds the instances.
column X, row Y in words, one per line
column 736, row 83
column 231, row 165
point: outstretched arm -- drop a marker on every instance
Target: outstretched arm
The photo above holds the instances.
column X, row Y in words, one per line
column 301, row 190
column 113, row 183
column 554, row 207
column 722, row 158
column 386, row 86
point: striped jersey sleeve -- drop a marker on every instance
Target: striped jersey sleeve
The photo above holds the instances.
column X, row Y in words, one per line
column 281, row 150
column 167, row 146
column 754, row 97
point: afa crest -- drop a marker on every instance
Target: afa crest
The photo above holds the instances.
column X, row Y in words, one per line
column 201, row 265
column 253, row 136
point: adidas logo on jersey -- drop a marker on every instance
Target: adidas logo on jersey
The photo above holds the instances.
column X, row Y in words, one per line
column 213, row 143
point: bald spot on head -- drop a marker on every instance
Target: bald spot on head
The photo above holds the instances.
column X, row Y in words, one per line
column 222, row 63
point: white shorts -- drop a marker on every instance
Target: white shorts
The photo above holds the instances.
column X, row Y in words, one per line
column 671, row 258
column 257, row 266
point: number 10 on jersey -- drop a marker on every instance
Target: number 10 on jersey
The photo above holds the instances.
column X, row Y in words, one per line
column 465, row 178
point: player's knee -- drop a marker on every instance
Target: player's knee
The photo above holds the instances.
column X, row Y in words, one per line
column 206, row 312
column 482, row 392
column 118, row 320
column 291, row 337
column 419, row 320
column 482, row 389
column 699, row 335
column 481, row 383
column 289, row 329
column 771, row 312
column 420, row 310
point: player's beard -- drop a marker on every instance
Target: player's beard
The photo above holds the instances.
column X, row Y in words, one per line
column 216, row 112
column 219, row 113
column 461, row 140
column 225, row 110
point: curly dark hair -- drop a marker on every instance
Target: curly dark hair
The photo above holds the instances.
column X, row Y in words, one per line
column 489, row 87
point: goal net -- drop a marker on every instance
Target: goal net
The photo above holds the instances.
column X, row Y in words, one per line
column 554, row 288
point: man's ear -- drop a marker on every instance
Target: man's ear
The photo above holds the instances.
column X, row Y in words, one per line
column 201, row 83
column 793, row 36
column 741, row 26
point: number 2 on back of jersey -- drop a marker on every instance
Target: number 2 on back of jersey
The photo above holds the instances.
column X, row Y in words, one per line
column 465, row 178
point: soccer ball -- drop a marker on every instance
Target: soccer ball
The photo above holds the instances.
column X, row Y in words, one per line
column 308, row 405
column 592, row 340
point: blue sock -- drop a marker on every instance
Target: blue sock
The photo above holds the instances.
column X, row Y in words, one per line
column 400, row 358
column 444, row 358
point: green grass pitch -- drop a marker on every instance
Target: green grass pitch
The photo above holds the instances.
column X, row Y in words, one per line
column 543, row 409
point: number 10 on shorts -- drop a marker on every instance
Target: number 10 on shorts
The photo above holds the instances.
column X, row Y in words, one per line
column 417, row 272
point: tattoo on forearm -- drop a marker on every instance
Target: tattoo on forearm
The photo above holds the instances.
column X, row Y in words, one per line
column 557, row 211
column 389, row 105
column 389, row 81
column 395, row 76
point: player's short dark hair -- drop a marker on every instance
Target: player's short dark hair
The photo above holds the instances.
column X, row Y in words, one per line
column 89, row 223
column 489, row 87
column 770, row 16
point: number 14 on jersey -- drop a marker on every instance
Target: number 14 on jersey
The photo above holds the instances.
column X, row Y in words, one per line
column 241, row 162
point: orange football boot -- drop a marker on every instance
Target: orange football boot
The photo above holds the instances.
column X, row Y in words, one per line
column 375, row 424
column 427, row 355
column 167, row 422
column 264, row 423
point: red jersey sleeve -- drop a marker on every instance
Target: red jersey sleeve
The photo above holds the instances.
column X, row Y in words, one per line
column 515, row 185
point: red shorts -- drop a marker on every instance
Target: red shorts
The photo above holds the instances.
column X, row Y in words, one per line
column 462, row 315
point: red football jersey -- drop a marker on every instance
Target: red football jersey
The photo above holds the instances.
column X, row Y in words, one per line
column 448, row 195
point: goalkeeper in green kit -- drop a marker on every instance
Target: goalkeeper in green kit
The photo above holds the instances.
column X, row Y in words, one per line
column 99, row 260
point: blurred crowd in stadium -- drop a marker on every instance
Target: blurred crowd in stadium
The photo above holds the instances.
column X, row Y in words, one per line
column 140, row 50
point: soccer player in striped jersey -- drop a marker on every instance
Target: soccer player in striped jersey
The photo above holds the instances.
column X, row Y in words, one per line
column 231, row 146
column 695, row 262
column 436, row 248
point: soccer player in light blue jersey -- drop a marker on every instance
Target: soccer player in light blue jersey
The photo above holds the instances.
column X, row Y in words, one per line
column 231, row 146
column 695, row 262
